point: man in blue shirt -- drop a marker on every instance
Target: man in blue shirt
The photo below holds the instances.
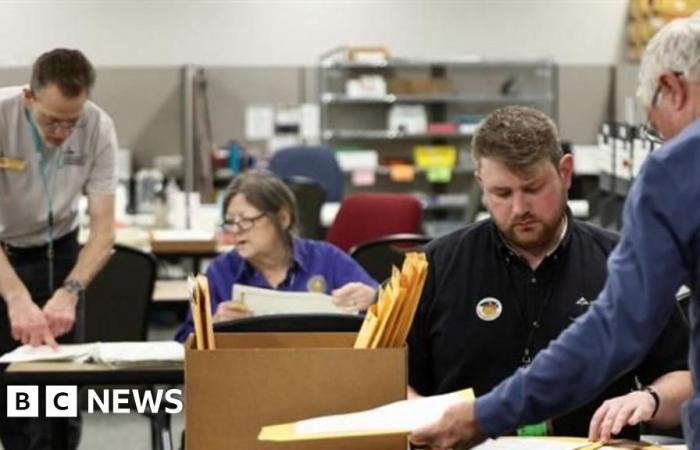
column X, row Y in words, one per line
column 658, row 252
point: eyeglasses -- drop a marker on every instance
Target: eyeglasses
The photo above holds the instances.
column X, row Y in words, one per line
column 649, row 133
column 53, row 125
column 241, row 224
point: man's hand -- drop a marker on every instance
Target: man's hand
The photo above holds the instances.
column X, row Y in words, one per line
column 29, row 325
column 60, row 312
column 457, row 429
column 354, row 296
column 615, row 413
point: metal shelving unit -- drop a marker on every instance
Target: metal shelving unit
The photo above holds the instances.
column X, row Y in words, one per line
column 450, row 90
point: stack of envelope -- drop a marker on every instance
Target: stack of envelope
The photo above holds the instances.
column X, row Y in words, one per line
column 388, row 321
column 201, row 312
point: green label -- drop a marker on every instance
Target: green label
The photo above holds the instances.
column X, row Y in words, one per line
column 536, row 429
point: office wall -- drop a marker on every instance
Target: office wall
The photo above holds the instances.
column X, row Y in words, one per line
column 265, row 51
column 294, row 32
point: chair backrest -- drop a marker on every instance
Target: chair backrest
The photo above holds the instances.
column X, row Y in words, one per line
column 377, row 256
column 310, row 196
column 364, row 217
column 295, row 323
column 118, row 298
column 317, row 163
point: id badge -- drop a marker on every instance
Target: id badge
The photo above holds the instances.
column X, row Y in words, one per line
column 15, row 165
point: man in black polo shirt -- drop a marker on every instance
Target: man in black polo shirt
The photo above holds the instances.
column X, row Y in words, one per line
column 499, row 290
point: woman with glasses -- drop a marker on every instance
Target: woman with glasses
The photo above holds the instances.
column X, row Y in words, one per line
column 260, row 216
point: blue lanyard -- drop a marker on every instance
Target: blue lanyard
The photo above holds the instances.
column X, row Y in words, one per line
column 48, row 168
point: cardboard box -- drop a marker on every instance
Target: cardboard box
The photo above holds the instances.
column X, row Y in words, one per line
column 257, row 379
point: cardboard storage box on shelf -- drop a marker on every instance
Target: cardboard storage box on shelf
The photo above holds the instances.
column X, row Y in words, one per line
column 257, row 379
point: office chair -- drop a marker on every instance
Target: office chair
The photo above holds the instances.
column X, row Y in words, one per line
column 317, row 163
column 295, row 323
column 363, row 217
column 310, row 196
column 116, row 306
column 378, row 255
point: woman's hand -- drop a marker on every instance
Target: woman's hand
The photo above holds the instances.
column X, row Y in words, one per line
column 230, row 310
column 354, row 296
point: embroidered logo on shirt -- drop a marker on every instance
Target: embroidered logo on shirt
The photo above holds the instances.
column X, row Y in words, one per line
column 317, row 283
column 582, row 302
column 489, row 309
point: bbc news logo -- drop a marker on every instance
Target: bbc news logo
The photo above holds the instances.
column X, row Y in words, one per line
column 62, row 401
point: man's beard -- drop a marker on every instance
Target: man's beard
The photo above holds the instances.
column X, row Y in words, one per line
column 541, row 234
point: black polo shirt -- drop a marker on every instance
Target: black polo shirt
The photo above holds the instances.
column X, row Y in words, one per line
column 484, row 313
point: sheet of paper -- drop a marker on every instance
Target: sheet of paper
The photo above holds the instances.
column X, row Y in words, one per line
column 259, row 122
column 397, row 417
column 268, row 301
column 139, row 353
column 65, row 352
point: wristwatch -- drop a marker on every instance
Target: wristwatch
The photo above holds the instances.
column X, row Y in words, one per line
column 655, row 396
column 73, row 286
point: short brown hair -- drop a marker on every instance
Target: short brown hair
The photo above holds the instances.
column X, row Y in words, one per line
column 267, row 193
column 68, row 69
column 518, row 137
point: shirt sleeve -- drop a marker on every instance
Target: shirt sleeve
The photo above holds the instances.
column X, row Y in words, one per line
column 103, row 176
column 645, row 270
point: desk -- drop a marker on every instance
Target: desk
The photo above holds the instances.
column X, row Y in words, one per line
column 174, row 291
column 70, row 373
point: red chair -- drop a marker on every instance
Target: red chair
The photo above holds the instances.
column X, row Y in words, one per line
column 363, row 217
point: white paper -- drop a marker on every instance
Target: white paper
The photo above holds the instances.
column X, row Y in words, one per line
column 138, row 353
column 259, row 122
column 267, row 301
column 310, row 121
column 182, row 235
column 66, row 352
column 111, row 353
column 405, row 415
column 530, row 443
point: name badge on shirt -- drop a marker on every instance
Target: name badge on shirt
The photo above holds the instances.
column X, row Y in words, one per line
column 317, row 283
column 73, row 158
column 16, row 165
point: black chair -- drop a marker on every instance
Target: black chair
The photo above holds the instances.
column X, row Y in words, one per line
column 378, row 255
column 295, row 323
column 118, row 298
column 310, row 196
column 115, row 308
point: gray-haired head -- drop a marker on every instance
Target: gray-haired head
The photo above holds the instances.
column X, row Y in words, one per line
column 674, row 48
column 269, row 195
